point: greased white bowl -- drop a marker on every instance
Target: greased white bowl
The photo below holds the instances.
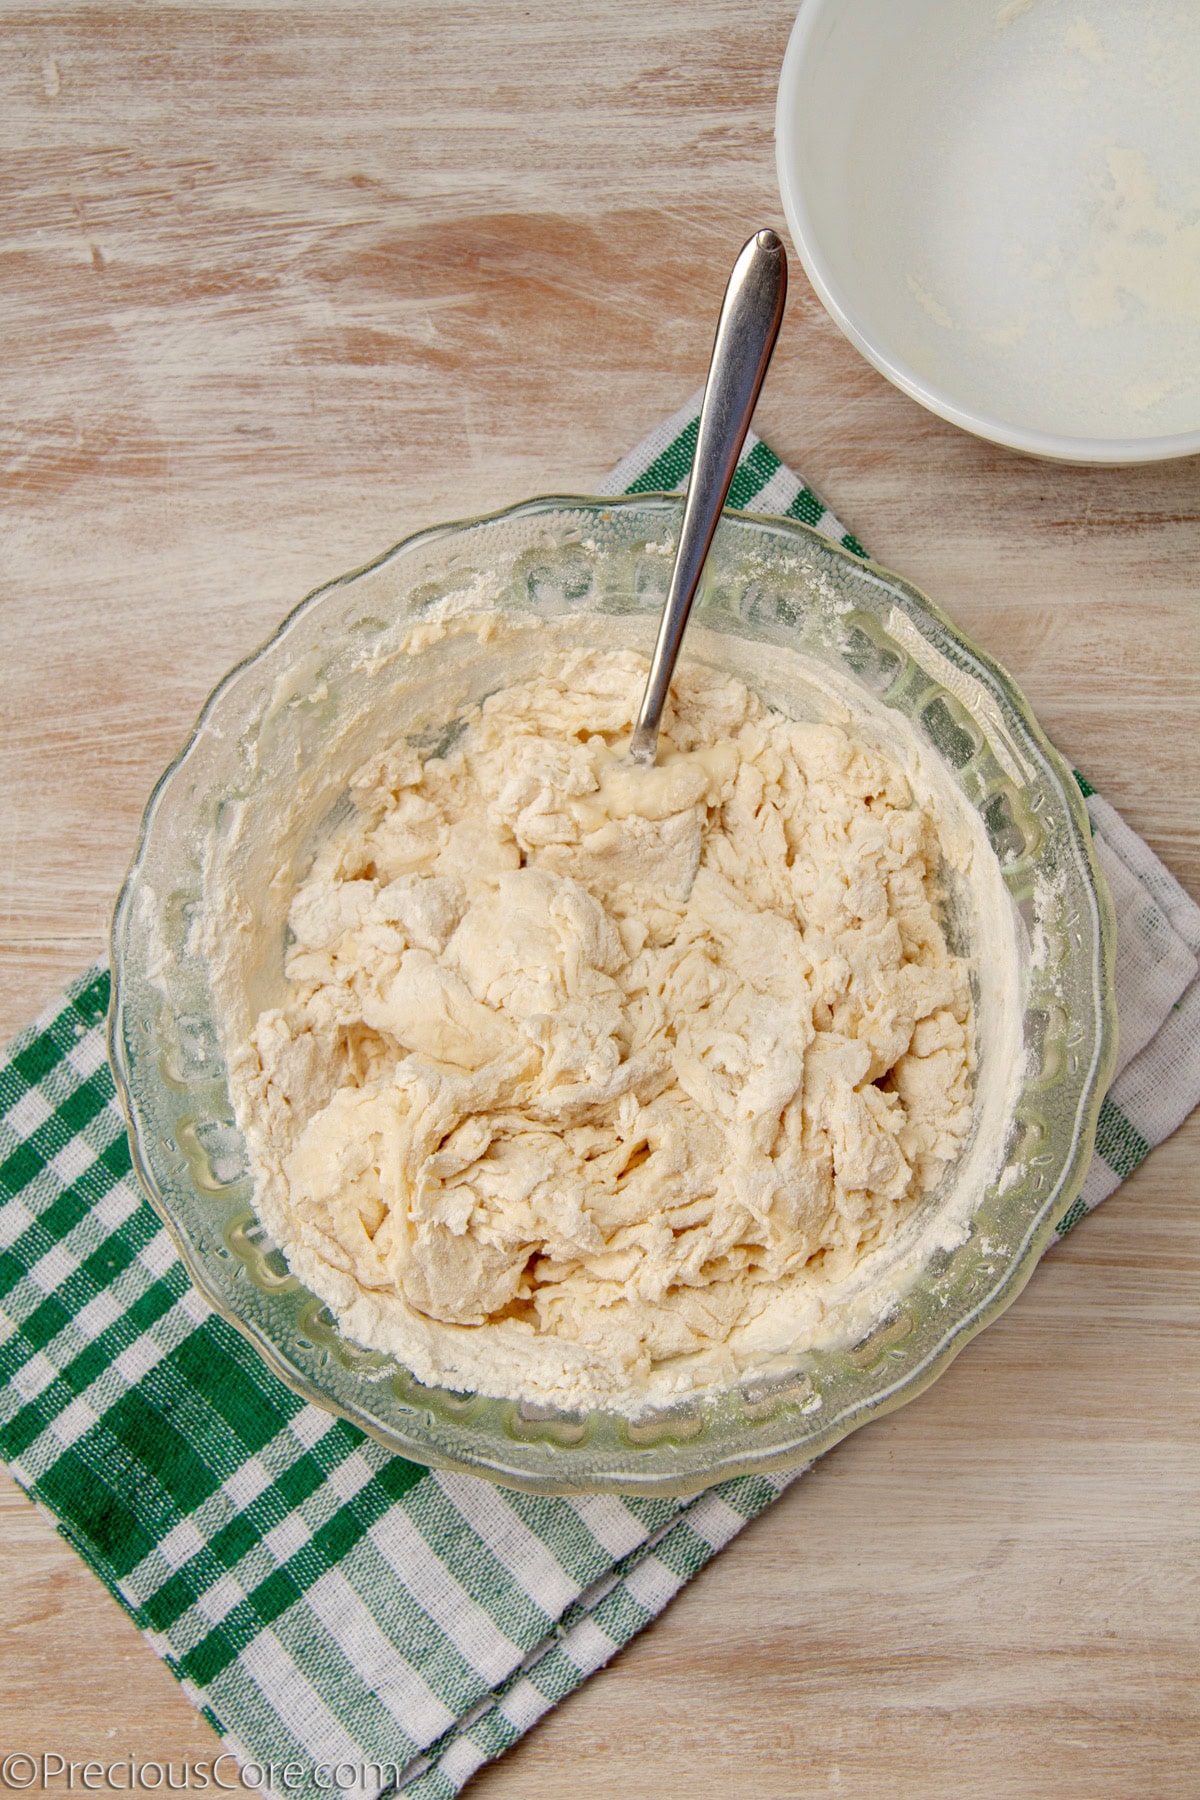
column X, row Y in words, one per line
column 998, row 201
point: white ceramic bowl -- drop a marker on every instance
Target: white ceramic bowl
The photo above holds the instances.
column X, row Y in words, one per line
column 998, row 201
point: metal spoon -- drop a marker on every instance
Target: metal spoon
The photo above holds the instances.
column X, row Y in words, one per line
column 746, row 331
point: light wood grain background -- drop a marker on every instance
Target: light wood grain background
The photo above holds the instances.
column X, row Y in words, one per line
column 280, row 284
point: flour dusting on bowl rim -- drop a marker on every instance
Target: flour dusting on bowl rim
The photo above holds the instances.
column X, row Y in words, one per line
column 169, row 1068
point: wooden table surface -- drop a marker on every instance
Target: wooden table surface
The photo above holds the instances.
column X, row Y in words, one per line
column 282, row 284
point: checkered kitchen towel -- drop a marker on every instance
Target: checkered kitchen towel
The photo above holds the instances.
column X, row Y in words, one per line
column 345, row 1619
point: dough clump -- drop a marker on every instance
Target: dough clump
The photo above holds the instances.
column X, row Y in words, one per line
column 582, row 1065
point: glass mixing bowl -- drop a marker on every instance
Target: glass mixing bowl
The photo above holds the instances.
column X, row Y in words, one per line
column 774, row 595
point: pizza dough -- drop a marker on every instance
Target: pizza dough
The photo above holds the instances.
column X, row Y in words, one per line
column 583, row 1066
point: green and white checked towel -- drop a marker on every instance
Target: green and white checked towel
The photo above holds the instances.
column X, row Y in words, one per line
column 345, row 1619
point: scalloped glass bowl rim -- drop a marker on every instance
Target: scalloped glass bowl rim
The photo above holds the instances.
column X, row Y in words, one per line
column 537, row 1463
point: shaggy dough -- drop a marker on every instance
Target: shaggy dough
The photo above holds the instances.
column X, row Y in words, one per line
column 595, row 1059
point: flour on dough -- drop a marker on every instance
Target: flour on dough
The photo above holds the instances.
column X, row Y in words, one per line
column 582, row 1064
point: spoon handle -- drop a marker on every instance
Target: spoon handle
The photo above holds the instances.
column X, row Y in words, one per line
column 746, row 331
